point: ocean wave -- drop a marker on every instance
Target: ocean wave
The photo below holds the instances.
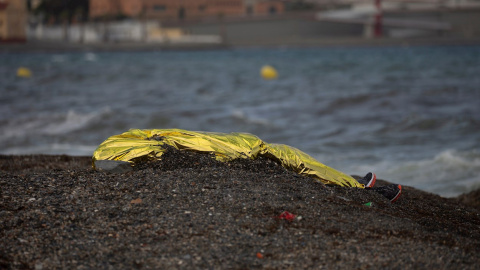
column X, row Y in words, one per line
column 91, row 57
column 248, row 118
column 59, row 58
column 50, row 124
column 71, row 121
column 449, row 173
column 354, row 111
column 52, row 149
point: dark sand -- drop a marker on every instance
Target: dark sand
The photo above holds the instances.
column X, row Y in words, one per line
column 191, row 212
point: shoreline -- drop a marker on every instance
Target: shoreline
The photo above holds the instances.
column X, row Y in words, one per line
column 62, row 47
column 190, row 211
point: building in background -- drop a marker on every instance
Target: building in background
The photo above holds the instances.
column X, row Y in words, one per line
column 183, row 10
column 13, row 18
column 247, row 22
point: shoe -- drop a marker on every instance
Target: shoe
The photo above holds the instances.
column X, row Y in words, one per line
column 391, row 192
column 368, row 180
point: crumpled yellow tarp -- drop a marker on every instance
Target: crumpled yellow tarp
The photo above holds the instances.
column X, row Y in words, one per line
column 135, row 145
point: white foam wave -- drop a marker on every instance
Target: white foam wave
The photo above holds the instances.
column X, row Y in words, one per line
column 58, row 58
column 91, row 57
column 70, row 122
column 248, row 118
column 449, row 173
column 52, row 149
column 50, row 124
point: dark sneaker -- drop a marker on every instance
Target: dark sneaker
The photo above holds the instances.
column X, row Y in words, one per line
column 391, row 192
column 368, row 180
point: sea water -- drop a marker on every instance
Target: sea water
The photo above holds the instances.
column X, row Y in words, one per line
column 409, row 114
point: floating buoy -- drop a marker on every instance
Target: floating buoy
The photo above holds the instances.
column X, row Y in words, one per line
column 24, row 72
column 268, row 72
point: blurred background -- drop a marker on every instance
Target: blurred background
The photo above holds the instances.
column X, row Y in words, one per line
column 391, row 87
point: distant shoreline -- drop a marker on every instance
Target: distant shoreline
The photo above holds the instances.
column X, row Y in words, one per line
column 56, row 47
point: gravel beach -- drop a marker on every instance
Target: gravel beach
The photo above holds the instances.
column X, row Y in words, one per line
column 189, row 211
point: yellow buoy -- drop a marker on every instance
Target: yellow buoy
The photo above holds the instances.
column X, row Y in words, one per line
column 268, row 72
column 24, row 72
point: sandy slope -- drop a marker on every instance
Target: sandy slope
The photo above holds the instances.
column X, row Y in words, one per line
column 190, row 211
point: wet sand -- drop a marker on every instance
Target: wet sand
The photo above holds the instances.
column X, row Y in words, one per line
column 192, row 212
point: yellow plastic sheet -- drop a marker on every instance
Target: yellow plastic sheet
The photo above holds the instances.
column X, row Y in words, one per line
column 135, row 145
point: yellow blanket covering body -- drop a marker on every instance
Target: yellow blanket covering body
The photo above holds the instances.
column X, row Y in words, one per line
column 136, row 145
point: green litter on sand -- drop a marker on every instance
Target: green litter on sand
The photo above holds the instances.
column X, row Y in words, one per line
column 368, row 204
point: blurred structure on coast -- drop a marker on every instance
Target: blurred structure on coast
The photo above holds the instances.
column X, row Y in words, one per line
column 235, row 22
column 13, row 19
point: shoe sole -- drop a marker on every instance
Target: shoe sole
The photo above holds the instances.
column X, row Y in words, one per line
column 372, row 181
column 398, row 194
